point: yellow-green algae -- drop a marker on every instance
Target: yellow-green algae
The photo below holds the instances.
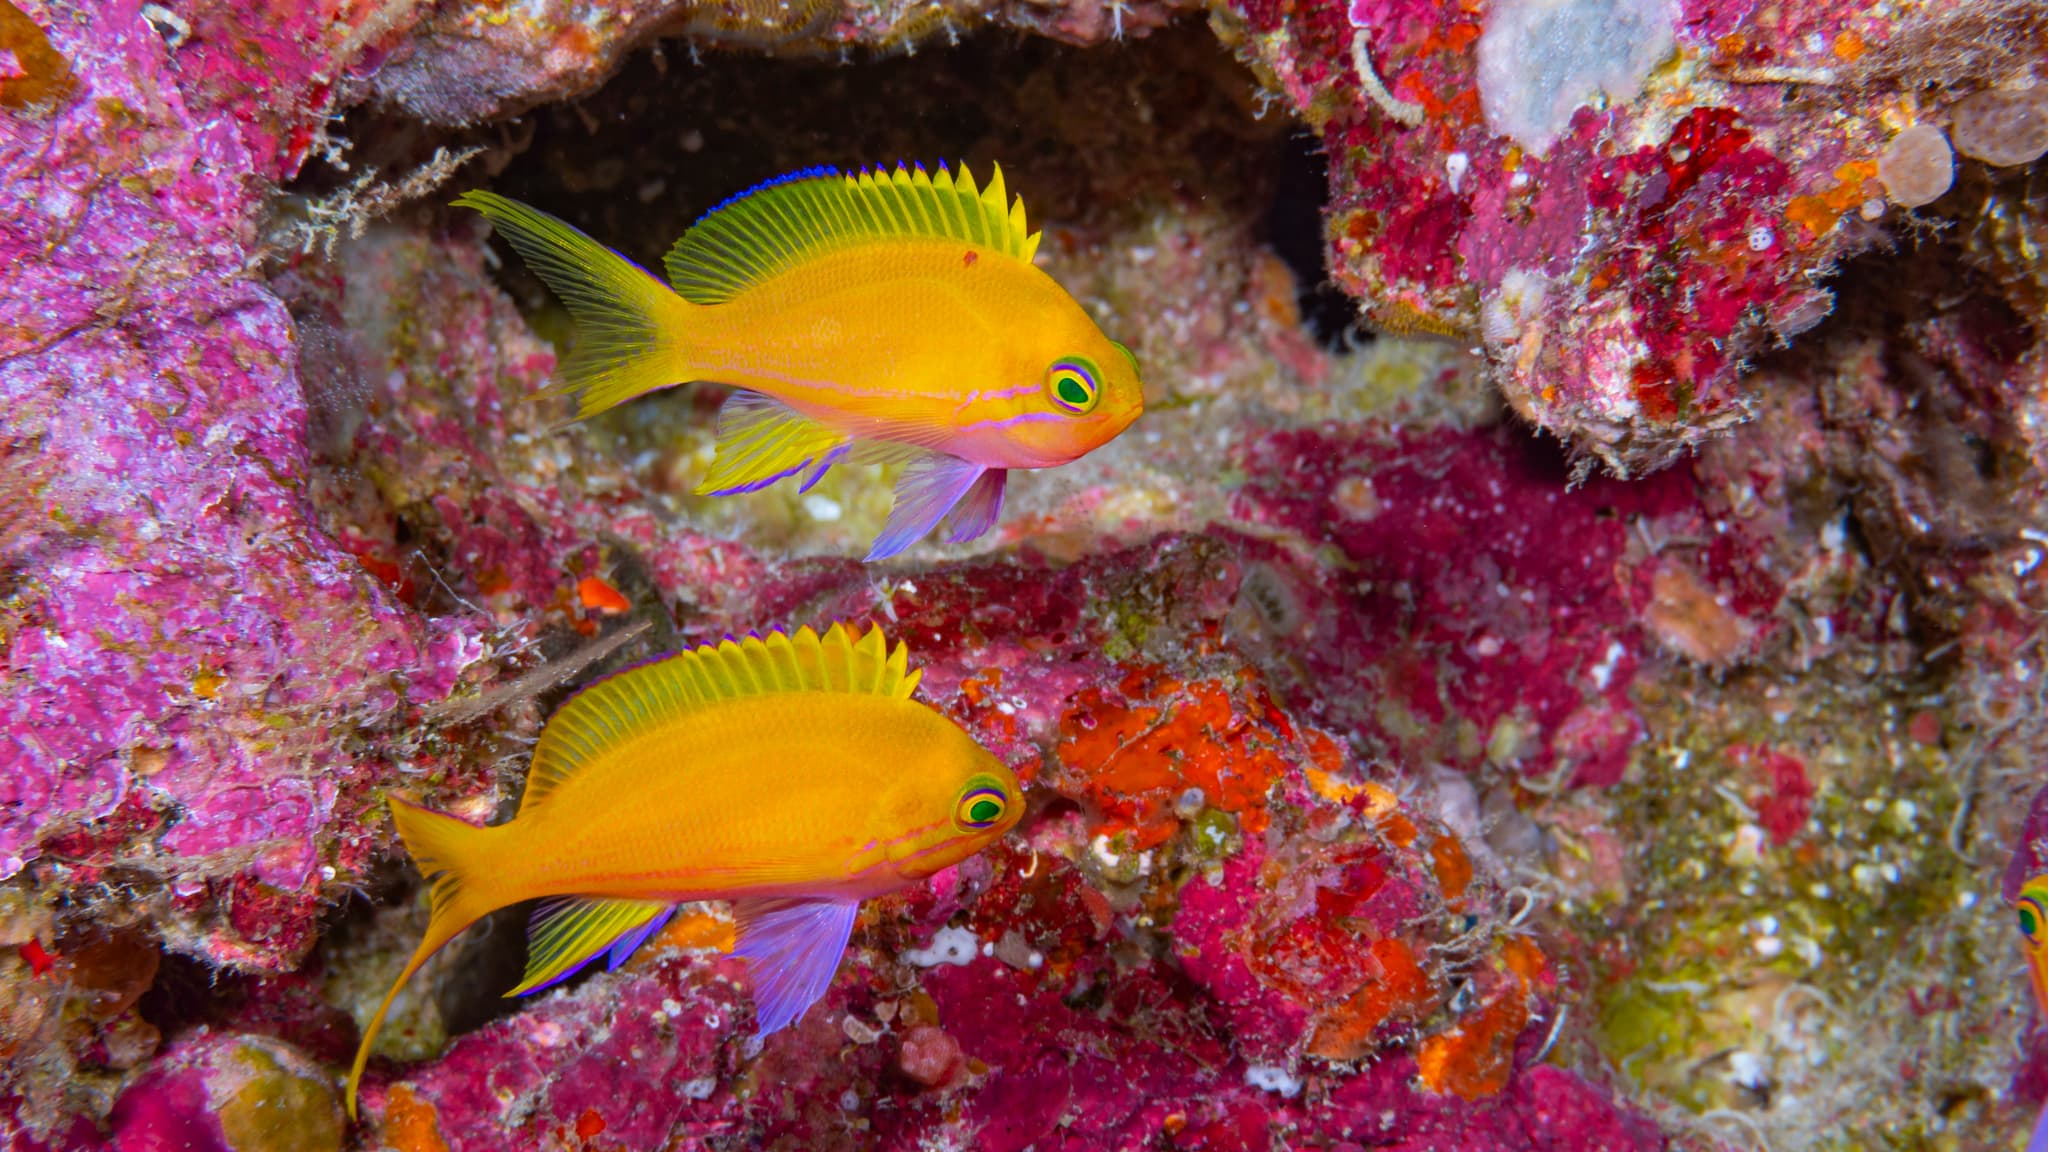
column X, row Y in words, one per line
column 1843, row 990
column 286, row 1104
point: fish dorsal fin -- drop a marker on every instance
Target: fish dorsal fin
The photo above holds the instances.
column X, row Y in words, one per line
column 778, row 225
column 619, row 706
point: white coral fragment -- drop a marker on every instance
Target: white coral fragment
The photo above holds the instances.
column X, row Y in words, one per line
column 1541, row 60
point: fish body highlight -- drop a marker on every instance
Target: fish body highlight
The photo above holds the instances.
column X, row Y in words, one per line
column 887, row 317
column 793, row 776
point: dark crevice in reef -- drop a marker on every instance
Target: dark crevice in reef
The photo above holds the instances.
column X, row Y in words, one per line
column 1927, row 464
column 1101, row 143
column 1294, row 228
column 1093, row 139
column 1090, row 137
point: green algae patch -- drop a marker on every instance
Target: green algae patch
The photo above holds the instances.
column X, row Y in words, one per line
column 281, row 1108
column 1214, row 837
column 1803, row 954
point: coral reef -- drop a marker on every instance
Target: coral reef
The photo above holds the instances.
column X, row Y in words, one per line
column 1394, row 780
column 201, row 684
column 1627, row 210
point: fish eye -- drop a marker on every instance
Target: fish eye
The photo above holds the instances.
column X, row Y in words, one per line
column 981, row 807
column 2030, row 920
column 1071, row 385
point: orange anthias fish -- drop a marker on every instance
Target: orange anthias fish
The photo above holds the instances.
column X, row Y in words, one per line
column 793, row 776
column 882, row 317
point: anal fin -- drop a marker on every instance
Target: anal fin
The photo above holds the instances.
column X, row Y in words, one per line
column 623, row 948
column 792, row 949
column 568, row 932
column 762, row 440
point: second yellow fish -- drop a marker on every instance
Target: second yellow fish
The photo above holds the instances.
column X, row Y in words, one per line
column 793, row 776
column 890, row 317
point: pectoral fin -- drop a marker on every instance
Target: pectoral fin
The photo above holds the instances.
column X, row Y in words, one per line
column 926, row 491
column 567, row 932
column 792, row 949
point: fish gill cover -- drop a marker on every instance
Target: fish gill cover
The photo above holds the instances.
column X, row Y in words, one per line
column 1394, row 776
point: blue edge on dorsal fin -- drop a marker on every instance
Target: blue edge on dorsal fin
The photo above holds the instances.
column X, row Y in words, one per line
column 811, row 173
column 816, row 172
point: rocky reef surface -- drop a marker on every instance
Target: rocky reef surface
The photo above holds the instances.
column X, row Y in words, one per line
column 1594, row 711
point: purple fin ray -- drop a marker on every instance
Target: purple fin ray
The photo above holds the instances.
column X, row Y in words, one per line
column 792, row 948
column 823, row 465
column 977, row 511
column 814, row 173
column 763, row 482
column 926, row 491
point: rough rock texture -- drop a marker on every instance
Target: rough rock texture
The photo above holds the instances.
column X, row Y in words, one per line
column 194, row 671
column 1388, row 789
column 1623, row 267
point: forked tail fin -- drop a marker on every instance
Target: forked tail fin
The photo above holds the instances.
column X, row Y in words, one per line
column 629, row 325
column 447, row 851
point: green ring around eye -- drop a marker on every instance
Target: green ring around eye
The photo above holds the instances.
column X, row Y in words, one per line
column 2028, row 925
column 1071, row 385
column 982, row 807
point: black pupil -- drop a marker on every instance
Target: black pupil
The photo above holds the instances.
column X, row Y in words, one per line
column 1073, row 391
column 984, row 811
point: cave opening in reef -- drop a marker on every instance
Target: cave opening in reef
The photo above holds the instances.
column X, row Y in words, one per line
column 1097, row 142
column 1178, row 208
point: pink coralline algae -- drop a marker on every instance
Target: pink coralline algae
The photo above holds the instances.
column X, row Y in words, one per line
column 185, row 652
column 1537, row 614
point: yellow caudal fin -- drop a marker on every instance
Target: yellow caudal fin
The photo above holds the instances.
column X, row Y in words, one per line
column 447, row 852
column 629, row 325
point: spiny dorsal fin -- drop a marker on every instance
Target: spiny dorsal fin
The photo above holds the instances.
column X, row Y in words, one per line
column 622, row 705
column 777, row 226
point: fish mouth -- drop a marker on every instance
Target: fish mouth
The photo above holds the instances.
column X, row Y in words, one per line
column 1126, row 418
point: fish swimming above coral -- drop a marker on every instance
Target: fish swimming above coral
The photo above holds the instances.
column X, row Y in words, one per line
column 793, row 776
column 883, row 317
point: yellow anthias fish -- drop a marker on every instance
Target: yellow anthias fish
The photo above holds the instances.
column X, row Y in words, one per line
column 793, row 776
column 883, row 317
